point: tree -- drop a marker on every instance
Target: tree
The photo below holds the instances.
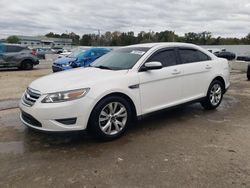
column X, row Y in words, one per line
column 12, row 39
column 86, row 40
column 166, row 36
column 205, row 37
column 75, row 38
column 117, row 38
column 246, row 40
column 53, row 35
column 191, row 37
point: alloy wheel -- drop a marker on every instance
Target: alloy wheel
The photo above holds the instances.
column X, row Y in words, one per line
column 215, row 94
column 113, row 118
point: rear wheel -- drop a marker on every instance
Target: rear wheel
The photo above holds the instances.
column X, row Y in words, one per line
column 110, row 118
column 27, row 65
column 248, row 72
column 214, row 95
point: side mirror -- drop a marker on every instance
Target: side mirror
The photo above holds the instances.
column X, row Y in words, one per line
column 154, row 65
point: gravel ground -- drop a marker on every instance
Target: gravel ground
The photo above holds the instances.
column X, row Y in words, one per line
column 182, row 147
column 13, row 82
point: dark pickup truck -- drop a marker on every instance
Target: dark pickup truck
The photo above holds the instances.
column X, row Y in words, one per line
column 17, row 56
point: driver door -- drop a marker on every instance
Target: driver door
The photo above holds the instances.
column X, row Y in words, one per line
column 161, row 88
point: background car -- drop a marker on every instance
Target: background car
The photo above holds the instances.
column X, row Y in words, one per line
column 40, row 53
column 14, row 55
column 65, row 53
column 245, row 57
column 225, row 54
column 215, row 50
column 123, row 85
column 79, row 58
column 57, row 50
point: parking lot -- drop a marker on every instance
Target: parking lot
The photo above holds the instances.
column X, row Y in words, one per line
column 182, row 147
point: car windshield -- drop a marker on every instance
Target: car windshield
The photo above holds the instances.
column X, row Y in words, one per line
column 120, row 59
column 76, row 53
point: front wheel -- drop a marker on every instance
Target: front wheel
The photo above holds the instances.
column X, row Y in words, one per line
column 110, row 118
column 27, row 65
column 248, row 72
column 214, row 95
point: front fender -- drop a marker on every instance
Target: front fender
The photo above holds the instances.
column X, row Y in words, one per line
column 134, row 96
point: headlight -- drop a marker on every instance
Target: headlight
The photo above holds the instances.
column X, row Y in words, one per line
column 66, row 65
column 65, row 96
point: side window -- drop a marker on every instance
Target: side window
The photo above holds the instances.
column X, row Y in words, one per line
column 167, row 58
column 202, row 56
column 12, row 49
column 192, row 56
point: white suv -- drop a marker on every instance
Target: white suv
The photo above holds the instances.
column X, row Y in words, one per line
column 126, row 83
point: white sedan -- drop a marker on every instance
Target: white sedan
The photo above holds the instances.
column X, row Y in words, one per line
column 125, row 84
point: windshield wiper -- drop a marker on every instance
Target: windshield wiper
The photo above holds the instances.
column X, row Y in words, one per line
column 103, row 67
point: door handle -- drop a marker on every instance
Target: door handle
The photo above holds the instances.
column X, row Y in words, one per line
column 175, row 72
column 208, row 67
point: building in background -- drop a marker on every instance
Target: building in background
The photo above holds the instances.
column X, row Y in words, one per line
column 42, row 41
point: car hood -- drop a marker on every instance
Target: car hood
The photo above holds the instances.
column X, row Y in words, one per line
column 65, row 60
column 74, row 79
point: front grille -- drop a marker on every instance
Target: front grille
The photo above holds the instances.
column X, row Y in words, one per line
column 30, row 97
column 30, row 120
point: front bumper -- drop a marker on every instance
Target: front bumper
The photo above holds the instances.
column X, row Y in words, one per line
column 248, row 72
column 36, row 62
column 45, row 117
column 56, row 68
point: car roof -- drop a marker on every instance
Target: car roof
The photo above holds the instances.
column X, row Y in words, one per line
column 101, row 49
column 163, row 44
column 8, row 44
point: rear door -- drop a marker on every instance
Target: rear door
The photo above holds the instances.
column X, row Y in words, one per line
column 196, row 70
column 12, row 55
column 161, row 88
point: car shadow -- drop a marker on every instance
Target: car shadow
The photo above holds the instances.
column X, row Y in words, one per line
column 152, row 121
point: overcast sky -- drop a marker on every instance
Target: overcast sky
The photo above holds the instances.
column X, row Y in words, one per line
column 38, row 17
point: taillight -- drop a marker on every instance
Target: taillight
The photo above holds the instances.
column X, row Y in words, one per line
column 34, row 52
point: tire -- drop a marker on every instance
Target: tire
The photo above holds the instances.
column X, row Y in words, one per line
column 27, row 65
column 248, row 72
column 214, row 95
column 110, row 118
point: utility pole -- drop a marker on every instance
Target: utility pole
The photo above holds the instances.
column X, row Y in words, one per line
column 99, row 37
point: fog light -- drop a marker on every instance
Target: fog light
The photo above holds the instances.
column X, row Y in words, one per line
column 68, row 121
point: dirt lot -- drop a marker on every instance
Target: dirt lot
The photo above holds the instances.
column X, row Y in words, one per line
column 13, row 82
column 183, row 147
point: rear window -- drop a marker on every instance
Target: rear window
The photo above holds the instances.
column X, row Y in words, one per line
column 192, row 56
